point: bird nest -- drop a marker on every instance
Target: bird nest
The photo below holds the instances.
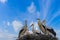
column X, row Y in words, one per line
column 37, row 36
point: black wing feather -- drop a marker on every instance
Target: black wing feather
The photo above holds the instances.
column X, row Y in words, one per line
column 52, row 31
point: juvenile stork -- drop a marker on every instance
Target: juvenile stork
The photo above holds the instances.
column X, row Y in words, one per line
column 34, row 30
column 23, row 30
column 46, row 30
column 32, row 27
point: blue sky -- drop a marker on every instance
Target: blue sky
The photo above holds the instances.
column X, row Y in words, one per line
column 14, row 12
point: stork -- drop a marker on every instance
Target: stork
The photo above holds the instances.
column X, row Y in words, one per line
column 46, row 30
column 23, row 30
column 44, row 22
column 32, row 27
column 33, row 30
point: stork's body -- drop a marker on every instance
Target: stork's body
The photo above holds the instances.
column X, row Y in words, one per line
column 23, row 30
column 41, row 28
column 34, row 31
column 33, row 28
column 45, row 30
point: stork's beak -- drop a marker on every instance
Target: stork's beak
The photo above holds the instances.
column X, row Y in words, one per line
column 38, row 19
column 32, row 24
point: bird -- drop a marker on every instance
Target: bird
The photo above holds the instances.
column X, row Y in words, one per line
column 46, row 30
column 23, row 30
column 33, row 30
column 44, row 22
column 32, row 27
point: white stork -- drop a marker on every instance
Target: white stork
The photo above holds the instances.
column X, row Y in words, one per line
column 46, row 30
column 23, row 30
column 32, row 27
column 33, row 30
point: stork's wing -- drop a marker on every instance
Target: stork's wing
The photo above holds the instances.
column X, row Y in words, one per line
column 43, row 26
column 21, row 30
column 52, row 31
column 44, row 21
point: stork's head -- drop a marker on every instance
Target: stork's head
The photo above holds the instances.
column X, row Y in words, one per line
column 44, row 21
column 32, row 24
column 38, row 19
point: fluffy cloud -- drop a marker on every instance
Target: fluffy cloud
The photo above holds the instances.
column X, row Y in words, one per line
column 17, row 25
column 3, row 1
column 8, row 23
column 31, row 8
column 6, row 36
column 58, row 34
column 38, row 14
column 32, row 11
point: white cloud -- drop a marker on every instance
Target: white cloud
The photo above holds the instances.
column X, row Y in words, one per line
column 54, row 16
column 3, row 1
column 31, row 8
column 8, row 23
column 32, row 11
column 6, row 36
column 17, row 25
column 45, row 7
column 38, row 14
column 58, row 34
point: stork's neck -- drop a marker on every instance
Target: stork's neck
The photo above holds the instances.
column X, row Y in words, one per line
column 39, row 23
column 25, row 23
